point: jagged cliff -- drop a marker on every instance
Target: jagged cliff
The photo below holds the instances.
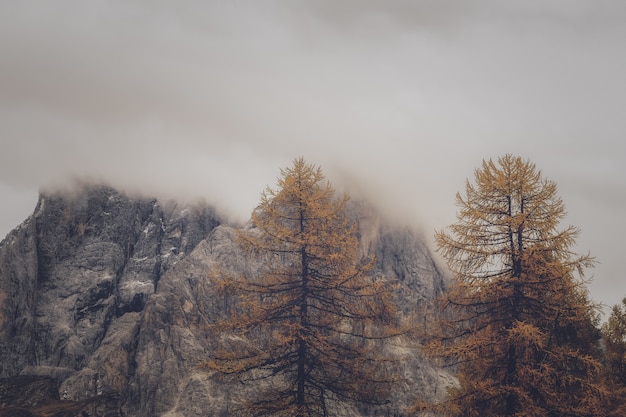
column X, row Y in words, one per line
column 108, row 297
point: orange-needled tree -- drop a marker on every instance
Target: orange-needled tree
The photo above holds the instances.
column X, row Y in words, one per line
column 517, row 321
column 307, row 327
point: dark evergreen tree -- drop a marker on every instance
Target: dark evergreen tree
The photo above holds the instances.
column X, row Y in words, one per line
column 614, row 337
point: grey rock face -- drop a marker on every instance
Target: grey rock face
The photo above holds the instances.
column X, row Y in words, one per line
column 110, row 295
column 78, row 266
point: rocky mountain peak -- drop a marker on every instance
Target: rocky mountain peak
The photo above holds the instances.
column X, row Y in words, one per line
column 107, row 296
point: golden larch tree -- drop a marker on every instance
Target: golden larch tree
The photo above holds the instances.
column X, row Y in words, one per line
column 308, row 327
column 517, row 321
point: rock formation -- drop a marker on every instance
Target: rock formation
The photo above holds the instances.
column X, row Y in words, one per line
column 108, row 297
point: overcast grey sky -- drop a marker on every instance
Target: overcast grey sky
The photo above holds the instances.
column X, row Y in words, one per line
column 399, row 100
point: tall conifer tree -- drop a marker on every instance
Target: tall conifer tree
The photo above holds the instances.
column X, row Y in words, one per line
column 518, row 321
column 309, row 326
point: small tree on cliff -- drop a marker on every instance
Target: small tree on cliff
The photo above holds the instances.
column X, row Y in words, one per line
column 310, row 324
column 518, row 324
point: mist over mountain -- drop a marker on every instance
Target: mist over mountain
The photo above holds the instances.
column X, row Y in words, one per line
column 105, row 301
column 205, row 99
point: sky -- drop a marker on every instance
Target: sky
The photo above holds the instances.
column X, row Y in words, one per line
column 398, row 101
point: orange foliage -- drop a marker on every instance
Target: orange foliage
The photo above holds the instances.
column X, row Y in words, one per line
column 517, row 322
column 310, row 323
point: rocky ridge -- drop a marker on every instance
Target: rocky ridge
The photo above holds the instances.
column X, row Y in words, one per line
column 108, row 297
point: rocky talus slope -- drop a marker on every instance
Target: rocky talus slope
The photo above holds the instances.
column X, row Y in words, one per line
column 104, row 303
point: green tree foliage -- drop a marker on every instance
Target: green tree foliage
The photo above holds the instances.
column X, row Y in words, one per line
column 614, row 336
column 518, row 322
column 308, row 329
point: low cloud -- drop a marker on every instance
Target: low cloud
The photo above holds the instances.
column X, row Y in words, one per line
column 398, row 101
